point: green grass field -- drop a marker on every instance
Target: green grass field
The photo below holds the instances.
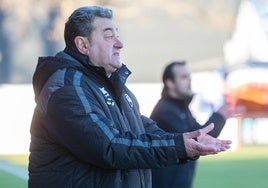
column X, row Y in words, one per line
column 246, row 167
column 243, row 168
column 8, row 180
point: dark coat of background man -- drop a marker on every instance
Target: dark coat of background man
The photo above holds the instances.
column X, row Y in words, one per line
column 86, row 129
column 172, row 114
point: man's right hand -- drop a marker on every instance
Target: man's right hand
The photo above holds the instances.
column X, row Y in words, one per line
column 203, row 144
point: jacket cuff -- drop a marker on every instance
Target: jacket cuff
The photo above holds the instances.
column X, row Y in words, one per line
column 180, row 147
column 181, row 151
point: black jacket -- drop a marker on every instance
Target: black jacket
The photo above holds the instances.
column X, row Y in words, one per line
column 87, row 130
column 174, row 115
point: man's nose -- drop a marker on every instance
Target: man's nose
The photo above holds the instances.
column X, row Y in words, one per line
column 118, row 43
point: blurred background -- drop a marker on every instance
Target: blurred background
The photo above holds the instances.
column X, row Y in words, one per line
column 225, row 42
column 153, row 31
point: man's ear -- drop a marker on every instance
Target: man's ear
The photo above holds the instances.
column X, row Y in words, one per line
column 169, row 84
column 82, row 44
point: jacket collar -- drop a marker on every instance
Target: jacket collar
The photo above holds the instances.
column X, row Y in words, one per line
column 84, row 60
column 179, row 102
column 117, row 78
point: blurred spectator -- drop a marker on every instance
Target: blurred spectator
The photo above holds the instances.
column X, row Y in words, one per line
column 172, row 114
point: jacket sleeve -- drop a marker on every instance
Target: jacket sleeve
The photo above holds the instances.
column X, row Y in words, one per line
column 219, row 123
column 215, row 118
column 76, row 121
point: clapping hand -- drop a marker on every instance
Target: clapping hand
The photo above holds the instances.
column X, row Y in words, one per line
column 198, row 143
column 228, row 111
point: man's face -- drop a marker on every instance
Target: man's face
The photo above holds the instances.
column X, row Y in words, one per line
column 104, row 50
column 181, row 87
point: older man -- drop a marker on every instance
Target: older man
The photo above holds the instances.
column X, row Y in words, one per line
column 87, row 130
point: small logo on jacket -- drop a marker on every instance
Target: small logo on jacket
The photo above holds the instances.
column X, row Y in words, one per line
column 107, row 96
column 129, row 100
